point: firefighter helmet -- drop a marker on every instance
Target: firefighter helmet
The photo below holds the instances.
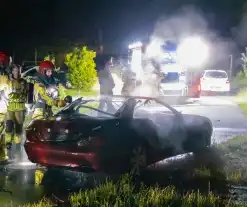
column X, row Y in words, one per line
column 46, row 65
column 4, row 58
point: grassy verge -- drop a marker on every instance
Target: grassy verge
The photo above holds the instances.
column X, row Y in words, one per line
column 234, row 155
column 241, row 100
column 76, row 92
column 243, row 107
column 125, row 193
column 190, row 185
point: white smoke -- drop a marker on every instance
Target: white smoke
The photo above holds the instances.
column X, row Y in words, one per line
column 186, row 22
column 191, row 21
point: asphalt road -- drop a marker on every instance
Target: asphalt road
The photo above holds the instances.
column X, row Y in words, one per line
column 226, row 116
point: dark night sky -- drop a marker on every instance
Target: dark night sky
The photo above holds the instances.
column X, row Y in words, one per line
column 28, row 23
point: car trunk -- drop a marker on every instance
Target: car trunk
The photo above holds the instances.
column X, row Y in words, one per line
column 57, row 131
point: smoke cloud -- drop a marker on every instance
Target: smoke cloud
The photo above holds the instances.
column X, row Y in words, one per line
column 190, row 21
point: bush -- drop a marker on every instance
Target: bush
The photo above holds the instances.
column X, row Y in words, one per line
column 82, row 73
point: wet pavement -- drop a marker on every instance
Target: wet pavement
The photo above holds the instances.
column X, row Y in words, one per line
column 17, row 187
column 17, row 181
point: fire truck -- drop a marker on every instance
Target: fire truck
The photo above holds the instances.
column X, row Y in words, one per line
column 173, row 79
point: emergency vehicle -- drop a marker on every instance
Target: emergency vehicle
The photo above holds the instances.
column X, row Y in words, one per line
column 176, row 80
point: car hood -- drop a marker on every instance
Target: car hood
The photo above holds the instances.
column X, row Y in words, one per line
column 171, row 130
column 166, row 119
column 195, row 120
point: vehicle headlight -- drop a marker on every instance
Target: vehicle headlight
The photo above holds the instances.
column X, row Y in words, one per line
column 53, row 92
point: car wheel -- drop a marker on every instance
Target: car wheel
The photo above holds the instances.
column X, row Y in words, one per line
column 138, row 159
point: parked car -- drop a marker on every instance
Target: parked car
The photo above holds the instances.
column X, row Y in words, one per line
column 215, row 81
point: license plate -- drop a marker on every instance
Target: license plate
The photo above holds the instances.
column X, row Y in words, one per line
column 215, row 88
column 39, row 174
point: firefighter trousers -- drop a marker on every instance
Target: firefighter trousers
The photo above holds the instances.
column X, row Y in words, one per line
column 14, row 125
column 106, row 100
column 3, row 147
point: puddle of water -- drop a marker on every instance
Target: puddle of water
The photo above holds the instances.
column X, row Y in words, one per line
column 17, row 187
column 17, row 181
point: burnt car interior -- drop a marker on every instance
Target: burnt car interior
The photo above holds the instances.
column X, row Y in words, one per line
column 125, row 114
column 125, row 111
column 159, row 124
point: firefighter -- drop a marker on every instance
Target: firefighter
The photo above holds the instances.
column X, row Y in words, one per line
column 106, row 81
column 16, row 93
column 46, row 91
column 129, row 83
column 153, row 81
column 5, row 62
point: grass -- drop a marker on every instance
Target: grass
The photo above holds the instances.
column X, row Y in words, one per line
column 243, row 106
column 124, row 193
column 234, row 155
column 242, row 92
column 241, row 100
column 76, row 92
column 191, row 185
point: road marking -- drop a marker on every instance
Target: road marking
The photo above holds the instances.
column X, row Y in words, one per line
column 215, row 101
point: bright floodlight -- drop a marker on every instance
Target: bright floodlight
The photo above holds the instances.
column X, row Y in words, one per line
column 193, row 52
column 135, row 45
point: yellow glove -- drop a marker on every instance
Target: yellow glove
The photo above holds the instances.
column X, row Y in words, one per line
column 60, row 103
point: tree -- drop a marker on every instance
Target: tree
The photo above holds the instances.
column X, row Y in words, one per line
column 81, row 65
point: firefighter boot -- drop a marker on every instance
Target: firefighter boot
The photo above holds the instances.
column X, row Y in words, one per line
column 5, row 145
column 9, row 136
column 3, row 153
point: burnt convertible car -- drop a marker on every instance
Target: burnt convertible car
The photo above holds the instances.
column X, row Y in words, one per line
column 141, row 132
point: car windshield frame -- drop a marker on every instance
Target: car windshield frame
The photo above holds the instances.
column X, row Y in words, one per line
column 80, row 102
column 216, row 74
